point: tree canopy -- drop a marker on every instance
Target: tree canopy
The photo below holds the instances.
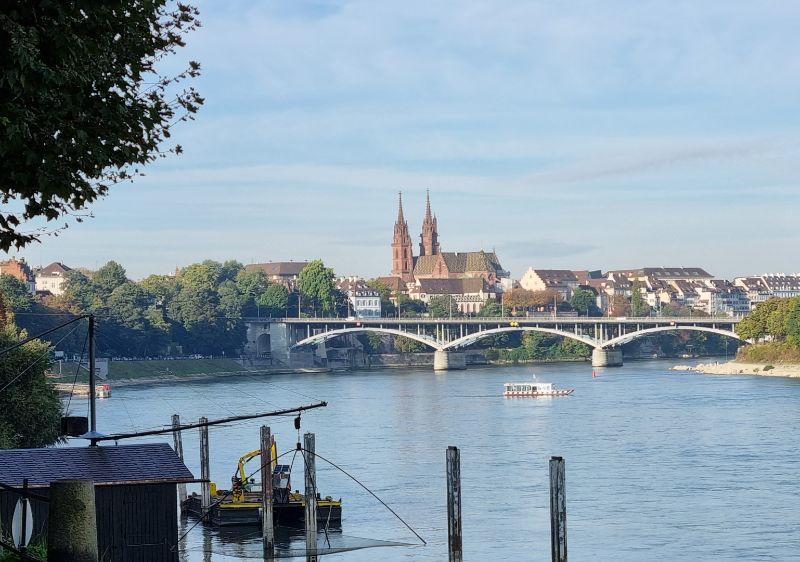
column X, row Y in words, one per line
column 83, row 103
column 316, row 284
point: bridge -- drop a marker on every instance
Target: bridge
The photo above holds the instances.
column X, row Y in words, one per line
column 447, row 337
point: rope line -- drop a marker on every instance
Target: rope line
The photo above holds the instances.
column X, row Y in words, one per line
column 354, row 479
column 77, row 370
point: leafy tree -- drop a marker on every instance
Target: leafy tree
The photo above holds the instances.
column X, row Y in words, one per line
column 491, row 308
column 442, row 306
column 108, row 278
column 412, row 308
column 584, row 302
column 252, row 282
column 80, row 294
column 274, row 300
column 82, row 102
column 524, row 299
column 793, row 322
column 30, row 410
column 639, row 306
column 15, row 293
column 619, row 306
column 316, row 283
column 408, row 345
column 754, row 326
column 387, row 306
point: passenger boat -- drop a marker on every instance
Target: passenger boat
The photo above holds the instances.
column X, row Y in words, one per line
column 534, row 388
column 241, row 505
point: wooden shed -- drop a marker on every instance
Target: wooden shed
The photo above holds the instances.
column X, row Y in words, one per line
column 135, row 494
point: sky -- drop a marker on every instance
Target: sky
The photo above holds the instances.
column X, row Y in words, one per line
column 575, row 135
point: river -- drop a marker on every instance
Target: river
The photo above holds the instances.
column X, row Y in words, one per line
column 660, row 465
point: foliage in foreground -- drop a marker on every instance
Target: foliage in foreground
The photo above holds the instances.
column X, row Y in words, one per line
column 82, row 103
column 30, row 410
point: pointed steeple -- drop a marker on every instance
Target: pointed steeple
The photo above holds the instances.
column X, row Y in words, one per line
column 402, row 247
column 429, row 238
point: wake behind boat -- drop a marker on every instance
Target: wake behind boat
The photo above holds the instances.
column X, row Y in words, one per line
column 534, row 388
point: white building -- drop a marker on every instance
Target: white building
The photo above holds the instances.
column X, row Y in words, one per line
column 51, row 278
column 562, row 280
column 365, row 302
column 770, row 285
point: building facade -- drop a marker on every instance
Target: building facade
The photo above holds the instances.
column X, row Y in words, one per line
column 51, row 279
column 283, row 272
column 365, row 302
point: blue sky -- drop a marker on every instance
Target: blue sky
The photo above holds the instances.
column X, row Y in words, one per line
column 581, row 134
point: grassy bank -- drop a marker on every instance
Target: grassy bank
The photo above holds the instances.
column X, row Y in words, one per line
column 771, row 352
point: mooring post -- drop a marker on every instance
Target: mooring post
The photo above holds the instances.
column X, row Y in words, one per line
column 454, row 547
column 311, row 498
column 72, row 522
column 267, row 525
column 205, row 476
column 178, row 443
column 558, row 511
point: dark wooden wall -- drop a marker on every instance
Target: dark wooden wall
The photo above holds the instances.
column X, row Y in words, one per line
column 135, row 523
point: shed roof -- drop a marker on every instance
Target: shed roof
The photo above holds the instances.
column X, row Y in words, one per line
column 122, row 464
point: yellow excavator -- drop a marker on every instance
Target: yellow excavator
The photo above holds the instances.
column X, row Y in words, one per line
column 241, row 505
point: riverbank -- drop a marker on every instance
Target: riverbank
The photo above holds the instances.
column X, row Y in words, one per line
column 740, row 368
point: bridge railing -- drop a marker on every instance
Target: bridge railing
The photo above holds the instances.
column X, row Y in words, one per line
column 494, row 319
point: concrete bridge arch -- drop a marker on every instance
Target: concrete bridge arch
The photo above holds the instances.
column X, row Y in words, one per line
column 627, row 338
column 325, row 336
column 472, row 338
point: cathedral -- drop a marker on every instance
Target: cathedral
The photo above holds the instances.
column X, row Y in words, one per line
column 432, row 263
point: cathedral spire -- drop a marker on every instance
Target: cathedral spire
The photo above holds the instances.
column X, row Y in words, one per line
column 429, row 238
column 402, row 247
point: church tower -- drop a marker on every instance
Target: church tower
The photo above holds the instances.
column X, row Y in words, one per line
column 402, row 247
column 429, row 239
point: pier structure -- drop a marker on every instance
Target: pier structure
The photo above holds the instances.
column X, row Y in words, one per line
column 448, row 337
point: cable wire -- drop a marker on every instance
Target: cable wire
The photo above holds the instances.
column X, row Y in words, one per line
column 42, row 356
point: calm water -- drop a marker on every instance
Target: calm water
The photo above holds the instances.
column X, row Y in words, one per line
column 660, row 465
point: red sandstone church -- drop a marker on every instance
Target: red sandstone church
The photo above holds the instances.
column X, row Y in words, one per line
column 473, row 276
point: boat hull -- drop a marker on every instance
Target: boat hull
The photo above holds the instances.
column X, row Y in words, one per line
column 291, row 514
column 565, row 392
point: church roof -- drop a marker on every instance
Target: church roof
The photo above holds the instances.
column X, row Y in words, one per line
column 451, row 286
column 459, row 262
column 279, row 268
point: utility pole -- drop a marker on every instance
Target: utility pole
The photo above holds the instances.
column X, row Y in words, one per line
column 92, row 393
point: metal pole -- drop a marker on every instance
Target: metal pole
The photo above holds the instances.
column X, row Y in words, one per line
column 558, row 511
column 267, row 525
column 24, row 534
column 454, row 547
column 178, row 443
column 311, row 498
column 205, row 476
column 92, row 392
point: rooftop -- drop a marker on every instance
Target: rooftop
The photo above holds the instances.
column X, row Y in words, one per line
column 121, row 464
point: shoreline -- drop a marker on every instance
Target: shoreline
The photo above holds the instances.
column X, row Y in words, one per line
column 737, row 368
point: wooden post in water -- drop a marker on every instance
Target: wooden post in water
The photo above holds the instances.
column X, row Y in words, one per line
column 558, row 511
column 454, row 547
column 205, row 500
column 267, row 525
column 178, row 443
column 311, row 498
column 72, row 522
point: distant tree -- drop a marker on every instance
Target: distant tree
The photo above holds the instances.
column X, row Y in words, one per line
column 584, row 302
column 30, row 410
column 316, row 283
column 524, row 299
column 252, row 282
column 755, row 326
column 274, row 300
column 108, row 278
column 639, row 306
column 619, row 306
column 15, row 293
column 443, row 306
column 408, row 345
column 80, row 294
column 83, row 102
column 491, row 308
column 412, row 308
column 793, row 322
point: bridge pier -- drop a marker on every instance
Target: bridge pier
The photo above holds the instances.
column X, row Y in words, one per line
column 602, row 357
column 449, row 360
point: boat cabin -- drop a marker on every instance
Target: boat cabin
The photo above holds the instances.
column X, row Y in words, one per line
column 527, row 387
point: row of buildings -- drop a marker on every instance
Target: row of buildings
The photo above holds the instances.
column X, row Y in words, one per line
column 41, row 280
column 470, row 279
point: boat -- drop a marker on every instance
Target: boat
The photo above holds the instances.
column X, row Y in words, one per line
column 534, row 388
column 241, row 505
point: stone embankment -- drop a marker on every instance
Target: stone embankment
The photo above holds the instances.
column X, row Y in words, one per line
column 736, row 368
